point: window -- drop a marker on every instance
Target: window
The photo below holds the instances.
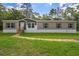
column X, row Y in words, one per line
column 45, row 25
column 58, row 25
column 7, row 25
column 70, row 25
column 31, row 25
column 10, row 25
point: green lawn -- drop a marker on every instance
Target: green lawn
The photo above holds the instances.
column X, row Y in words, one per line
column 53, row 35
column 14, row 46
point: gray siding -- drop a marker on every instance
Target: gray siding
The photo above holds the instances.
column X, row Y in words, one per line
column 52, row 25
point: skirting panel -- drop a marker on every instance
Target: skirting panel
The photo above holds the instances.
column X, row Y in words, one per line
column 9, row 31
column 54, row 31
column 45, row 31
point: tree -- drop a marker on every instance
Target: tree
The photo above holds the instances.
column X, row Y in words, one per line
column 27, row 10
column 13, row 14
column 2, row 9
column 52, row 12
column 78, row 7
column 16, row 14
column 36, row 15
column 76, row 18
column 46, row 17
column 68, row 13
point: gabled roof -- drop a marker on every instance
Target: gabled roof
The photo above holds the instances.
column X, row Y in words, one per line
column 50, row 20
column 10, row 20
column 39, row 20
column 55, row 21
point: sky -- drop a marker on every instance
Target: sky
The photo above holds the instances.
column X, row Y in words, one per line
column 41, row 8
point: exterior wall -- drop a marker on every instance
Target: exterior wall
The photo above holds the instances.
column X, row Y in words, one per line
column 6, row 30
column 52, row 25
column 39, row 27
column 64, row 25
column 52, row 28
column 74, row 26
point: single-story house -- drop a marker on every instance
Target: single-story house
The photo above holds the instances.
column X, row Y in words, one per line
column 30, row 25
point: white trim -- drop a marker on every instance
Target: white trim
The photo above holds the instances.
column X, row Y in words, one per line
column 9, row 30
column 44, row 31
column 54, row 31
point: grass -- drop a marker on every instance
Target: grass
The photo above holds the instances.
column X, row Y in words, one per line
column 22, row 47
column 53, row 35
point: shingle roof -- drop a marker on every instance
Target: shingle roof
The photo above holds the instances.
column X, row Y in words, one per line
column 39, row 20
column 55, row 21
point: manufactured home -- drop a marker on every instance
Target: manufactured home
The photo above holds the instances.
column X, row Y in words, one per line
column 30, row 25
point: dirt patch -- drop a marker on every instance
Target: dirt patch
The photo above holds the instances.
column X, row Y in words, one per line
column 64, row 40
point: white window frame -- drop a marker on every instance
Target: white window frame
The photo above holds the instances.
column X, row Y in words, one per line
column 45, row 25
column 10, row 26
column 59, row 26
column 31, row 25
column 70, row 26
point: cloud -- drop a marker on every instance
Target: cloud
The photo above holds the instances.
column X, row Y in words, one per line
column 49, row 2
column 64, row 8
column 9, row 7
column 19, row 6
column 74, row 6
column 61, row 4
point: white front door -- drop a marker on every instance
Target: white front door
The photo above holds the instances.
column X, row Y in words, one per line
column 22, row 24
